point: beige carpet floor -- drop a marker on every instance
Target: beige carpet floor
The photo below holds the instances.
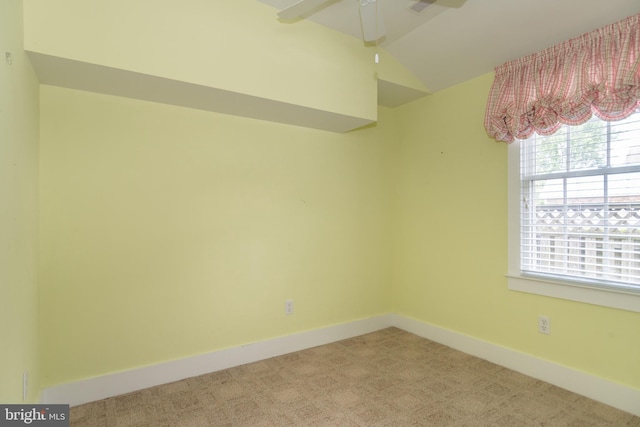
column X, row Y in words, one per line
column 386, row 378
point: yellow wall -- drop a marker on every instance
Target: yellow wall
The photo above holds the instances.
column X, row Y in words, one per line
column 237, row 46
column 451, row 245
column 168, row 232
column 18, row 210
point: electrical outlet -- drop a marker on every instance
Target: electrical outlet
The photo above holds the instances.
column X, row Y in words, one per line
column 544, row 325
column 288, row 307
column 25, row 385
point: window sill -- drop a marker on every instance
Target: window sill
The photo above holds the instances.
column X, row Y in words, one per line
column 575, row 292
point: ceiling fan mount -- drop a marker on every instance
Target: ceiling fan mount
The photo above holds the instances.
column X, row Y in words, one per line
column 371, row 18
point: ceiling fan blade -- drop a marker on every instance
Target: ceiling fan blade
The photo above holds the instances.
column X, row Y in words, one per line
column 371, row 20
column 300, row 8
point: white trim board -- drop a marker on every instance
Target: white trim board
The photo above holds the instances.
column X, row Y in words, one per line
column 613, row 394
column 617, row 395
column 92, row 389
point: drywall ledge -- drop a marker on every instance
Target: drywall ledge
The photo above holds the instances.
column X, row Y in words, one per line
column 56, row 71
column 393, row 95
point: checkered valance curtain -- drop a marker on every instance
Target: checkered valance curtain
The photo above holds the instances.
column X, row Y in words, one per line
column 598, row 72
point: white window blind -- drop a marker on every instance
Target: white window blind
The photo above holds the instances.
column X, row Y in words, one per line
column 580, row 204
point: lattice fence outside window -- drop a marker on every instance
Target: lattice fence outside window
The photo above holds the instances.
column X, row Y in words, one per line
column 588, row 240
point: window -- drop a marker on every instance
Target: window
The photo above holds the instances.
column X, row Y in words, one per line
column 575, row 220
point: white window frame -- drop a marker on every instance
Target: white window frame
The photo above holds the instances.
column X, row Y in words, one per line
column 552, row 288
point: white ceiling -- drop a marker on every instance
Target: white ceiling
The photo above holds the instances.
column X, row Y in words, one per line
column 455, row 40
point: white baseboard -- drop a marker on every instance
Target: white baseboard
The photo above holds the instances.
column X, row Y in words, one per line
column 617, row 395
column 89, row 390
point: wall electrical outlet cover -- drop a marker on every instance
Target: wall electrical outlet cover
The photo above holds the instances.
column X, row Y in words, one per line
column 544, row 325
column 288, row 307
column 25, row 385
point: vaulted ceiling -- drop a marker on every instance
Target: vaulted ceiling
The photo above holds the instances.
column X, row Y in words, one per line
column 451, row 41
column 268, row 69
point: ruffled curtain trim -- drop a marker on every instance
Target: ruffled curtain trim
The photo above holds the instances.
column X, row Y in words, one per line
column 596, row 73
